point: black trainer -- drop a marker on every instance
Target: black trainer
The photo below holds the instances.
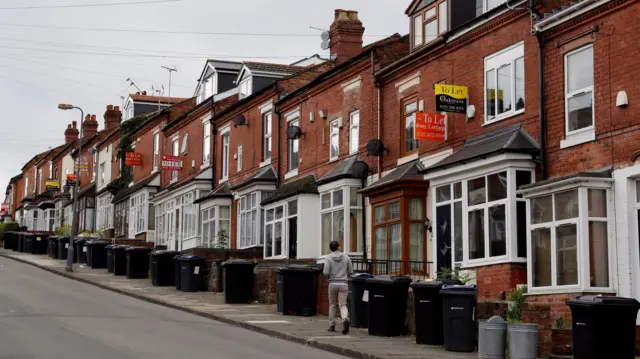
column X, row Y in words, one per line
column 345, row 326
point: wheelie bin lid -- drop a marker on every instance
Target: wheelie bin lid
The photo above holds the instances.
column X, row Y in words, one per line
column 298, row 268
column 238, row 262
column 359, row 277
column 78, row 240
column 138, row 249
column 27, row 234
column 191, row 259
column 163, row 253
column 389, row 279
column 427, row 284
column 598, row 300
column 120, row 247
column 96, row 242
column 465, row 290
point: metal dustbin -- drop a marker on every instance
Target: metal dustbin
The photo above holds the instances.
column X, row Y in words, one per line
column 428, row 312
column 492, row 337
column 299, row 290
column 97, row 254
column 192, row 270
column 120, row 260
column 387, row 296
column 162, row 268
column 238, row 281
column 358, row 309
column 137, row 262
column 80, row 250
column 603, row 327
column 459, row 321
column 523, row 340
column 63, row 247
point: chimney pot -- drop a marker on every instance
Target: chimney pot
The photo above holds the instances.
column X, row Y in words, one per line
column 117, row 108
column 87, row 118
column 109, row 107
column 345, row 35
column 93, row 117
column 74, row 124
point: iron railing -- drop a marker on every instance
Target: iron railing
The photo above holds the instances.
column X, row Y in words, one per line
column 414, row 269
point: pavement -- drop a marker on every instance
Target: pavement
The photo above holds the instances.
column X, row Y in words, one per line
column 120, row 327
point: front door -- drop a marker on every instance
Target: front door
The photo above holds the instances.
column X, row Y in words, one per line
column 442, row 226
column 293, row 238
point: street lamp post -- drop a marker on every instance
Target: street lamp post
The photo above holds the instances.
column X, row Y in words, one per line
column 74, row 206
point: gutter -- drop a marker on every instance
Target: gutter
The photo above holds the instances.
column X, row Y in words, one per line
column 576, row 180
column 540, row 26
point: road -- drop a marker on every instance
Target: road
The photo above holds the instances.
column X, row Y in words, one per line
column 45, row 316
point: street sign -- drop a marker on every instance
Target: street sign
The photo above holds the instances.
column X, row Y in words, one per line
column 431, row 126
column 171, row 163
column 450, row 98
column 52, row 185
column 133, row 159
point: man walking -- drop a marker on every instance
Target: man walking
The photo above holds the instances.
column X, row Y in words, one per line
column 336, row 268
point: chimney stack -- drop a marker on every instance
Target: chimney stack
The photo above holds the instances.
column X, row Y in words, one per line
column 112, row 117
column 71, row 133
column 345, row 35
column 89, row 126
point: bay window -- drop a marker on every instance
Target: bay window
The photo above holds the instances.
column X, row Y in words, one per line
column 481, row 220
column 248, row 214
column 189, row 215
column 215, row 226
column 105, row 212
column 139, row 208
column 336, row 205
column 121, row 219
column 504, row 83
column 569, row 229
column 165, row 214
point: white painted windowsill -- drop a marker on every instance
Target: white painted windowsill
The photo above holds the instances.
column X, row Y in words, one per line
column 578, row 138
column 223, row 180
column 265, row 163
column 291, row 174
column 407, row 159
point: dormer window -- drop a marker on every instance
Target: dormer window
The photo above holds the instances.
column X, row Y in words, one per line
column 491, row 4
column 244, row 88
column 429, row 23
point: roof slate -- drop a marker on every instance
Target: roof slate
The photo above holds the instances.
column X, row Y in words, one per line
column 157, row 99
column 123, row 194
column 303, row 185
column 220, row 192
column 342, row 170
column 266, row 174
column 511, row 139
column 269, row 67
column 407, row 171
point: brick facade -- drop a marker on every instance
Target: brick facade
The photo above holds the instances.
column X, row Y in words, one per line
column 497, row 279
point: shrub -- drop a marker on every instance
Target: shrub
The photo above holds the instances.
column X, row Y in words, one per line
column 8, row 227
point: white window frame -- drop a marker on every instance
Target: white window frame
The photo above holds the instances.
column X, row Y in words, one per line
column 345, row 207
column 185, row 144
column 156, row 151
column 245, row 87
column 239, row 159
column 270, row 228
column 494, row 62
column 206, row 143
column 485, row 5
column 188, row 215
column 293, row 167
column 586, row 134
column 246, row 211
column 51, row 174
column 211, row 217
column 39, row 181
column 34, row 218
column 94, row 168
column 354, row 126
column 138, row 213
column 105, row 212
column 582, row 233
column 226, row 149
column 334, row 133
column 509, row 163
column 267, row 136
column 102, row 169
column 175, row 151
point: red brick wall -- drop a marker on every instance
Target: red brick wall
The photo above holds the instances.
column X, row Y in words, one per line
column 494, row 279
column 192, row 160
column 144, row 146
column 461, row 63
column 616, row 68
column 115, row 160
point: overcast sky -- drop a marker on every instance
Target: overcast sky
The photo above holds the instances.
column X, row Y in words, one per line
column 42, row 64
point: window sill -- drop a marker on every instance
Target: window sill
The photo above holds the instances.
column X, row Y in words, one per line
column 573, row 289
column 275, row 257
column 291, row 174
column 204, row 165
column 223, row 180
column 502, row 118
column 173, row 181
column 491, row 261
column 407, row 159
column 265, row 163
column 578, row 138
column 252, row 246
column 332, row 160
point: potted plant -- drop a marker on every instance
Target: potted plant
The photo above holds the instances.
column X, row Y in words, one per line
column 561, row 338
column 522, row 337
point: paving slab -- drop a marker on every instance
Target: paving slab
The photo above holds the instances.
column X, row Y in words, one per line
column 262, row 318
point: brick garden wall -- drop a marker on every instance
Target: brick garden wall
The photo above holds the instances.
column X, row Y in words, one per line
column 496, row 279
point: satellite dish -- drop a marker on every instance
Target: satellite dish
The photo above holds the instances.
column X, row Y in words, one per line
column 294, row 132
column 325, row 45
column 376, row 148
column 360, row 169
column 239, row 120
column 325, row 36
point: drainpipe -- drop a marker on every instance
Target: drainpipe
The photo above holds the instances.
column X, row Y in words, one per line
column 364, row 223
column 278, row 120
column 543, row 123
column 213, row 149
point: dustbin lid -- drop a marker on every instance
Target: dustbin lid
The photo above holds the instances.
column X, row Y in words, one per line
column 78, row 240
column 241, row 262
column 430, row 285
column 297, row 268
column 167, row 253
column 596, row 300
column 468, row 289
column 138, row 249
column 191, row 258
column 389, row 279
column 359, row 277
column 110, row 246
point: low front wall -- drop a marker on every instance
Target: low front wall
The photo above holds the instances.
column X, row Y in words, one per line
column 496, row 281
